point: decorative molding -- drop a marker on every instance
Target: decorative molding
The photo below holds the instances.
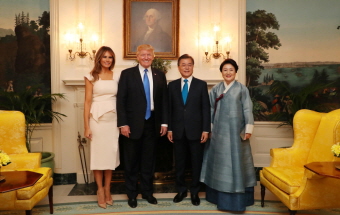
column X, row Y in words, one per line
column 81, row 82
column 44, row 126
column 266, row 123
column 55, row 78
column 242, row 41
column 74, row 82
column 212, row 83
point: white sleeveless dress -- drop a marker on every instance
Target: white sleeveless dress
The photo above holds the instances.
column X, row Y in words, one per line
column 104, row 148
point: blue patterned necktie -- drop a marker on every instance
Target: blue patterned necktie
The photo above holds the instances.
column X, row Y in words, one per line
column 147, row 94
column 185, row 91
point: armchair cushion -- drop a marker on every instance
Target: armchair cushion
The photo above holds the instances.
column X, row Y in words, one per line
column 44, row 181
column 286, row 179
column 26, row 198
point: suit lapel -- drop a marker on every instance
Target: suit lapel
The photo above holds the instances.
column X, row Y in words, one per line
column 155, row 82
column 139, row 80
column 178, row 90
column 191, row 89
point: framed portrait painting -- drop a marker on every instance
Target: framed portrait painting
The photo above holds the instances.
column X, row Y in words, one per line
column 153, row 22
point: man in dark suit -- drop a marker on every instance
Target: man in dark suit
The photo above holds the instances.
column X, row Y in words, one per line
column 189, row 125
column 142, row 104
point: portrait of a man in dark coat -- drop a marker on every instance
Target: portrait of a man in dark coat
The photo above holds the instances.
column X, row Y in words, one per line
column 153, row 33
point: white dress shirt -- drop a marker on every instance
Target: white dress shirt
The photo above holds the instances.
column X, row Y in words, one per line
column 189, row 82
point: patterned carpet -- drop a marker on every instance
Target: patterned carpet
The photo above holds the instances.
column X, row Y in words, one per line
column 165, row 206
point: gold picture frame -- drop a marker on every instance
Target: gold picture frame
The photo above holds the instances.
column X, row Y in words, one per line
column 154, row 22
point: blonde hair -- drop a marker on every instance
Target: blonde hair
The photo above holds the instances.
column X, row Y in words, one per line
column 97, row 66
column 145, row 47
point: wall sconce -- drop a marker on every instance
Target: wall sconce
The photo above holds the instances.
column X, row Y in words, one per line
column 82, row 53
column 217, row 50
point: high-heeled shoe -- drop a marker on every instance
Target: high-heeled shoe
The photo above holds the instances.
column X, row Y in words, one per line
column 107, row 192
column 109, row 202
column 101, row 205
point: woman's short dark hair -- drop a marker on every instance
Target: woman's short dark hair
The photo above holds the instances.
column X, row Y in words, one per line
column 229, row 61
column 185, row 56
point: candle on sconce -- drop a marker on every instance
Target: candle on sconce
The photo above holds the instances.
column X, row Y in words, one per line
column 69, row 40
column 216, row 32
column 206, row 49
column 205, row 43
column 227, row 40
column 94, row 41
column 227, row 45
column 81, row 29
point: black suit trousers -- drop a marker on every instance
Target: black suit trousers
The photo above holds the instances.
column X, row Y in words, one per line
column 182, row 148
column 139, row 157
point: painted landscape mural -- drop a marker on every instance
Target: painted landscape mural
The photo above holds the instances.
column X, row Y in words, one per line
column 293, row 57
column 25, row 46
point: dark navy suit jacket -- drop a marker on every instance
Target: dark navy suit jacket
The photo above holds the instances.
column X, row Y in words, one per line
column 131, row 100
column 194, row 116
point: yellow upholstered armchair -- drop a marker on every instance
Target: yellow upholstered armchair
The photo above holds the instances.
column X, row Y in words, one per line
column 13, row 142
column 297, row 187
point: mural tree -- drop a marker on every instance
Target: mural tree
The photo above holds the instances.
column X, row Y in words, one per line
column 25, row 55
column 258, row 39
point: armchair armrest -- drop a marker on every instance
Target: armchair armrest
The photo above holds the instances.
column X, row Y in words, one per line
column 23, row 161
column 292, row 156
column 312, row 186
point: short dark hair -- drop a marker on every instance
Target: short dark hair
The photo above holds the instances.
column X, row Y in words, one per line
column 185, row 56
column 229, row 61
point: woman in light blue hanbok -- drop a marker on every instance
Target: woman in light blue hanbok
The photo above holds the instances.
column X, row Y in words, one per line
column 228, row 168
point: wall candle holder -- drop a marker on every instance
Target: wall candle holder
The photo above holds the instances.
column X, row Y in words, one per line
column 216, row 55
column 81, row 53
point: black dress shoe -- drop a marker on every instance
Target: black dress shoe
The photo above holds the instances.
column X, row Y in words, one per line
column 195, row 200
column 150, row 199
column 132, row 202
column 180, row 196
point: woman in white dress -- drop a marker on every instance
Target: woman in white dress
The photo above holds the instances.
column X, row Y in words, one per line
column 100, row 121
